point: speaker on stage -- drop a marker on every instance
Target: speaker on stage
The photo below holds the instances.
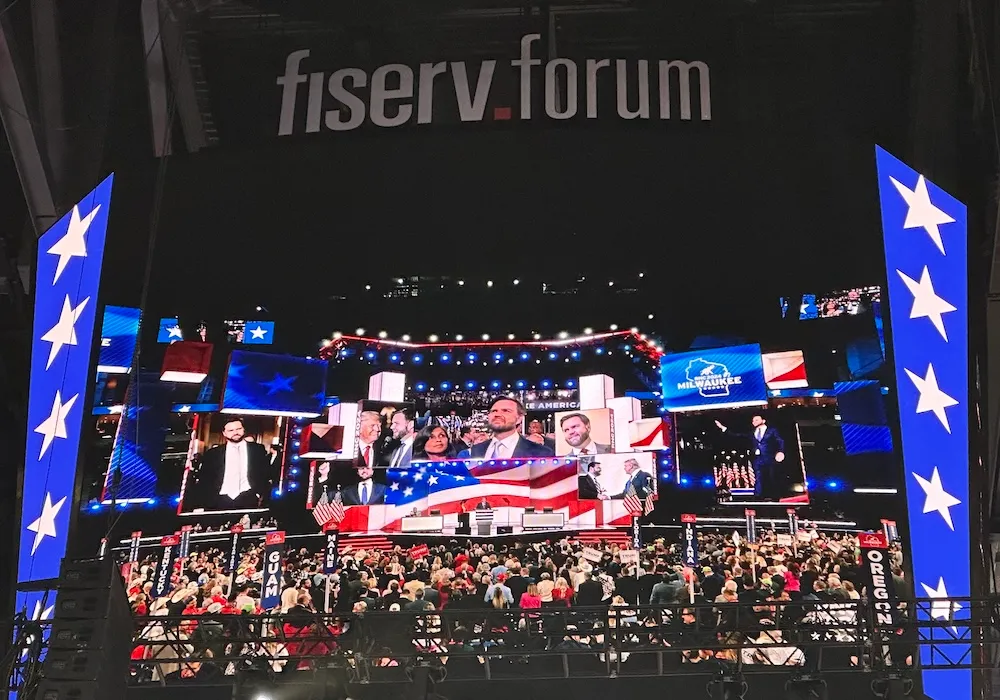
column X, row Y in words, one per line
column 91, row 639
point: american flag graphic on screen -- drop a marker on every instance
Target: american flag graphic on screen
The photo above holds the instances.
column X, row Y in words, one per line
column 508, row 485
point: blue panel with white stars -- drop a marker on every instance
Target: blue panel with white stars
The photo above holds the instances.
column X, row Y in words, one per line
column 274, row 385
column 258, row 333
column 924, row 230
column 169, row 331
column 68, row 276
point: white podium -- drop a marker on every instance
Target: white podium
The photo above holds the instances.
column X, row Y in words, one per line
column 484, row 522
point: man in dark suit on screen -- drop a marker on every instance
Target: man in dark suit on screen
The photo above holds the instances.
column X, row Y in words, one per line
column 640, row 481
column 236, row 475
column 767, row 452
column 588, row 488
column 366, row 492
column 504, row 418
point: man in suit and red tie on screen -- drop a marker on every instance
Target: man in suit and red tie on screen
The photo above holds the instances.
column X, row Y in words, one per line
column 504, row 418
column 369, row 445
column 638, row 480
column 576, row 431
column 767, row 451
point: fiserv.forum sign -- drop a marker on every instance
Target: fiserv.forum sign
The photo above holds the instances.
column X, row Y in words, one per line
column 396, row 94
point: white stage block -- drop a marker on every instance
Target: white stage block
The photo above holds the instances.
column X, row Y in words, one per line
column 624, row 410
column 387, row 386
column 346, row 414
column 595, row 390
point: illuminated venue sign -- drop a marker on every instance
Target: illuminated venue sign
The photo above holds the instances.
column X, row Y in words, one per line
column 924, row 230
column 68, row 275
column 730, row 377
column 396, row 94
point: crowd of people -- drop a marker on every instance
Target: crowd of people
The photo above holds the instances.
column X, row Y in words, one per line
column 474, row 602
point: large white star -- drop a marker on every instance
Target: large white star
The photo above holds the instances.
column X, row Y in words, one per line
column 74, row 243
column 927, row 304
column 175, row 331
column 941, row 609
column 45, row 526
column 921, row 213
column 64, row 332
column 257, row 333
column 937, row 499
column 932, row 398
column 55, row 425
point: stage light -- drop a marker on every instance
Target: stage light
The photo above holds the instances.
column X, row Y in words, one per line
column 570, row 383
column 575, row 354
column 177, row 500
column 520, row 384
column 337, row 335
column 461, row 283
column 459, row 337
column 707, row 480
column 546, row 383
column 497, row 356
column 641, row 275
column 368, row 287
column 471, row 357
column 614, row 326
column 394, row 358
column 295, row 458
column 495, row 384
column 599, row 351
column 383, row 334
column 405, row 338
column 588, row 331
column 359, row 331
column 489, row 283
column 470, row 385
column 433, row 338
column 293, row 472
column 650, row 317
column 298, row 431
column 421, row 386
column 295, row 443
column 370, row 355
column 524, row 357
column 486, row 336
column 510, row 336
column 276, row 492
column 445, row 358
column 417, row 359
column 553, row 356
column 537, row 336
column 563, row 335
column 634, row 329
column 833, row 485
column 445, row 386
column 517, row 282
column 685, row 481
column 292, row 485
column 95, row 506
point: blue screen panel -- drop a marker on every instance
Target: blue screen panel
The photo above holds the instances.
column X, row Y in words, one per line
column 68, row 277
column 169, row 331
column 119, row 333
column 925, row 237
column 716, row 378
column 274, row 385
column 258, row 333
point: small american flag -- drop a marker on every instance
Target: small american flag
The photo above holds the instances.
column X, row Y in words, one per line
column 329, row 512
column 635, row 505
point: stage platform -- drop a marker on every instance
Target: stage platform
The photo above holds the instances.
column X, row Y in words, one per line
column 388, row 540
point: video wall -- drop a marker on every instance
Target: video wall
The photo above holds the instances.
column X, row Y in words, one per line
column 581, row 464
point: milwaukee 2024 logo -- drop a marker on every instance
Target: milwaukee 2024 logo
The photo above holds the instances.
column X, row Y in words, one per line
column 397, row 94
